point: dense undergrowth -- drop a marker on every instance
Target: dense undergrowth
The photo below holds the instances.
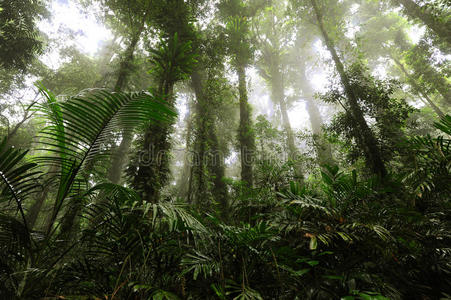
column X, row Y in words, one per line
column 103, row 205
column 341, row 235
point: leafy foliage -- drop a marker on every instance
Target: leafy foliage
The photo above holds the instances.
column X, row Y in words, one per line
column 20, row 40
column 281, row 232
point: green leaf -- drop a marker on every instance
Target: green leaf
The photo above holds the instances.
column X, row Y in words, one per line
column 313, row 243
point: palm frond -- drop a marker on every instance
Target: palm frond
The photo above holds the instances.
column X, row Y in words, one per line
column 79, row 128
column 17, row 179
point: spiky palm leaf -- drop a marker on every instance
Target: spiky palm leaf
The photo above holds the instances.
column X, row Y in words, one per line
column 78, row 130
column 432, row 166
column 17, row 179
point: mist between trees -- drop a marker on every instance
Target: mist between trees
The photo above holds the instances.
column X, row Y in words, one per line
column 213, row 158
column 227, row 149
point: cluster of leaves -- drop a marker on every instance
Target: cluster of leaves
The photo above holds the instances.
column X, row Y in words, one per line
column 376, row 100
column 73, row 139
column 19, row 37
column 341, row 237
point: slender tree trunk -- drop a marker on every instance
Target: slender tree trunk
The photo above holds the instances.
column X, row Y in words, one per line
column 201, row 188
column 217, row 169
column 126, row 63
column 372, row 152
column 119, row 158
column 424, row 71
column 41, row 197
column 190, row 184
column 35, row 209
column 323, row 148
column 27, row 115
column 183, row 182
column 417, row 59
column 442, row 29
column 418, row 89
column 278, row 97
column 70, row 220
column 293, row 151
column 245, row 133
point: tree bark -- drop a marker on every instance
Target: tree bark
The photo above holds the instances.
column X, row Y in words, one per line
column 323, row 149
column 201, row 186
column 183, row 182
column 278, row 96
column 370, row 148
column 120, row 156
column 153, row 166
column 207, row 138
column 36, row 208
column 245, row 133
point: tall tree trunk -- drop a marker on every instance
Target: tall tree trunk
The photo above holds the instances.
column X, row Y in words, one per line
column 442, row 29
column 217, row 169
column 201, row 186
column 418, row 89
column 127, row 63
column 245, row 132
column 36, row 208
column 278, row 96
column 323, row 150
column 70, row 220
column 370, row 148
column 119, row 158
column 183, row 181
column 153, row 165
column 211, row 161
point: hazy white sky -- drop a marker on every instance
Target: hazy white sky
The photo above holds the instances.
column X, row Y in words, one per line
column 67, row 16
column 70, row 25
column 89, row 33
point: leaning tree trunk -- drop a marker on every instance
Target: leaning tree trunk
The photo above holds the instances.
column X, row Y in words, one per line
column 217, row 169
column 426, row 72
column 245, row 133
column 417, row 60
column 370, row 148
column 442, row 29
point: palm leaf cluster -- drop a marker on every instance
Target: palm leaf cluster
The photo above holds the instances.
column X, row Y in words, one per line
column 75, row 136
